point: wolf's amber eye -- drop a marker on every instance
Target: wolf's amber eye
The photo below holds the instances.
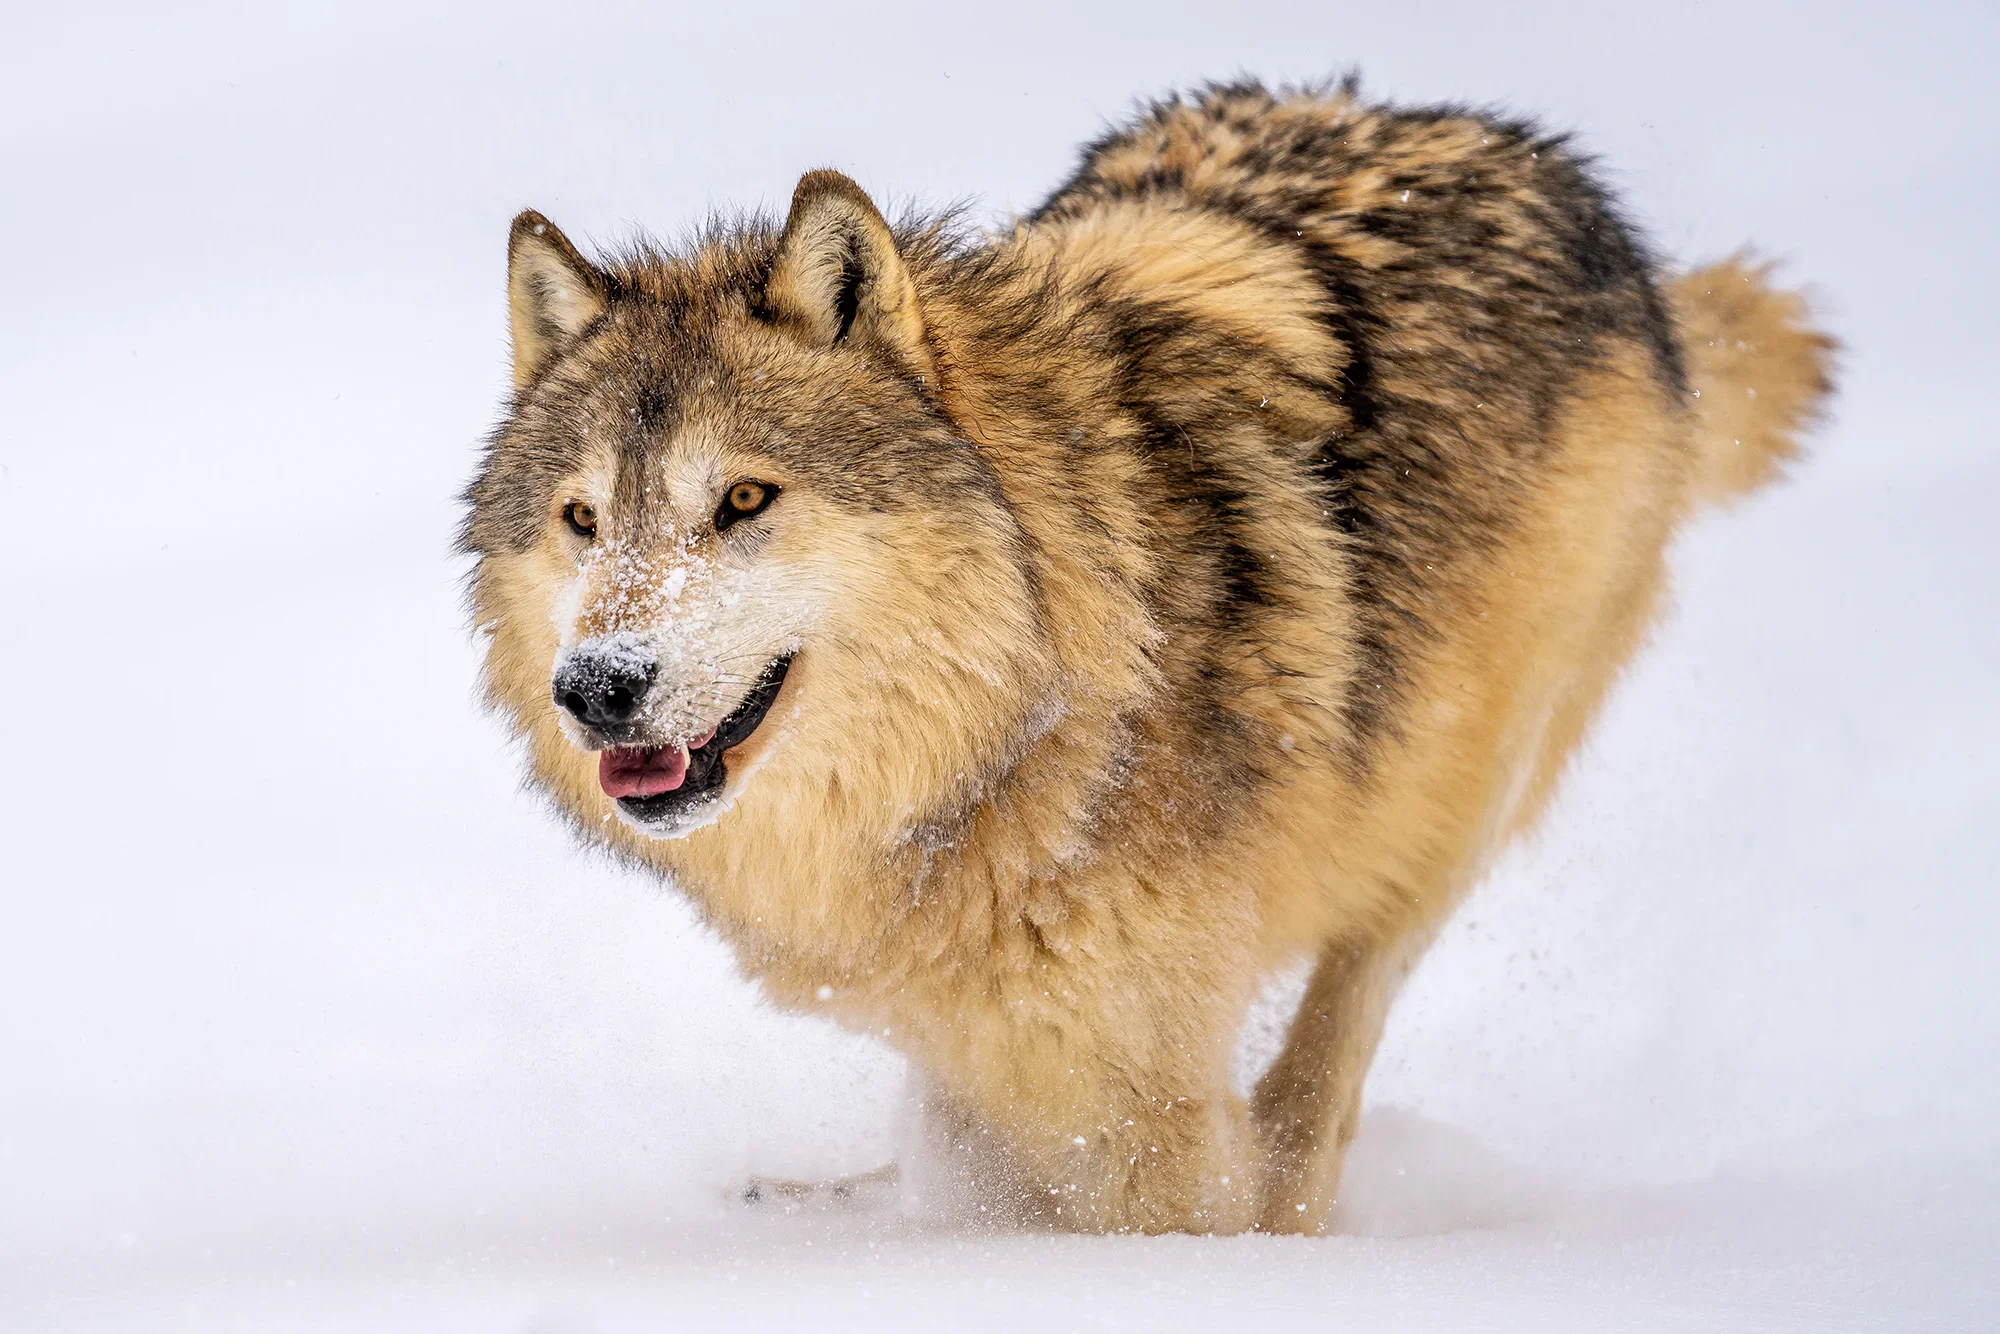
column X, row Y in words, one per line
column 745, row 500
column 581, row 518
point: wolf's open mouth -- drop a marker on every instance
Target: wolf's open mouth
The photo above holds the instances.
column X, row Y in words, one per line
column 651, row 783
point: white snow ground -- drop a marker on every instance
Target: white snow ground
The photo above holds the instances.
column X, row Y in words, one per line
column 309, row 1019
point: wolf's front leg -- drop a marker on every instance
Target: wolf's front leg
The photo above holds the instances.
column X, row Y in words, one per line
column 1080, row 1146
column 1174, row 1162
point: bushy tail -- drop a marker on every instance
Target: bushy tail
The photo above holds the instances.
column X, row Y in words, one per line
column 1760, row 371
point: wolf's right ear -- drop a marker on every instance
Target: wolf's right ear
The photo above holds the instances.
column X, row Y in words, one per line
column 553, row 292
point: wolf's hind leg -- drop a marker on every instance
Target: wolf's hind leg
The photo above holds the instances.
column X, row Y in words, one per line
column 858, row 1189
column 1308, row 1104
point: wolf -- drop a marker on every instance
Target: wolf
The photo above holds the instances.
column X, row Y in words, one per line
column 1018, row 644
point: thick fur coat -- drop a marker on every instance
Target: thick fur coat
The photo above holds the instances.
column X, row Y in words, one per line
column 1211, row 569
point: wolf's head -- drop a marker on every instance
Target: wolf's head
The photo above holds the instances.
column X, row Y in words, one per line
column 729, row 540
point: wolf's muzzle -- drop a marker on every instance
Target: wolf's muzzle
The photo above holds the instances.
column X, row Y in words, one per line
column 603, row 689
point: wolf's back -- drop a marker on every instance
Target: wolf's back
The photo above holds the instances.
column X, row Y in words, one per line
column 1761, row 372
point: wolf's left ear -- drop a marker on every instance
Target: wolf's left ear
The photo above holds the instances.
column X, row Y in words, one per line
column 838, row 275
column 553, row 292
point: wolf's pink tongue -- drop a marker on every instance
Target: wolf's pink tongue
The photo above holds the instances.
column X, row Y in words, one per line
column 641, row 771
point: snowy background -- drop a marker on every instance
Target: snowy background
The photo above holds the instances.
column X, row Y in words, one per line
column 310, row 1019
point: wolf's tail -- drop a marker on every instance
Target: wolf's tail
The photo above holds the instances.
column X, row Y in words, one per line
column 1760, row 372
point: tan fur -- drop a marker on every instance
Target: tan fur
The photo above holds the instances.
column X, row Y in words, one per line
column 1761, row 368
column 1050, row 788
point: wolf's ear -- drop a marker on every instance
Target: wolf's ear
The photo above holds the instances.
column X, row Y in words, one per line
column 552, row 292
column 838, row 275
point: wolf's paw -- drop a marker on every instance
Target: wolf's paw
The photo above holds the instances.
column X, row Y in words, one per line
column 865, row 1190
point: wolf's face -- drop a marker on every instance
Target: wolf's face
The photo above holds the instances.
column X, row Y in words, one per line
column 727, row 528
column 690, row 588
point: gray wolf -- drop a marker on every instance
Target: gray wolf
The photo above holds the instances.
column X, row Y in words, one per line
column 1016, row 645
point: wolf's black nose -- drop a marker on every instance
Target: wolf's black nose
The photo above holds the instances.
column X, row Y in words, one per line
column 602, row 689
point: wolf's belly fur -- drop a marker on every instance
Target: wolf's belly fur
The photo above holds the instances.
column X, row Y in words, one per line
column 1214, row 568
